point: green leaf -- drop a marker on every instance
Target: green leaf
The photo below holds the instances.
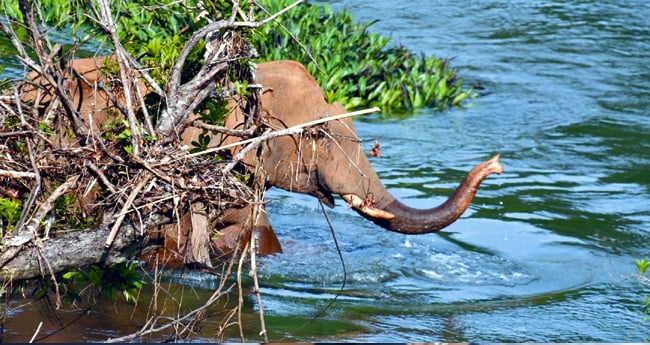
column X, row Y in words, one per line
column 460, row 97
column 10, row 209
column 42, row 126
column 126, row 134
column 155, row 46
column 13, row 10
column 642, row 265
column 40, row 293
column 417, row 100
column 241, row 87
column 70, row 275
column 95, row 275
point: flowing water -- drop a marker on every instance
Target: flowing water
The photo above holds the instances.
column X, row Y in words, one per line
column 546, row 251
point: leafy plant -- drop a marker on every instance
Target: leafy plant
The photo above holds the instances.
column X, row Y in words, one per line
column 202, row 143
column 244, row 178
column 43, row 127
column 68, row 214
column 356, row 67
column 123, row 277
column 642, row 266
column 10, row 210
column 212, row 113
column 241, row 87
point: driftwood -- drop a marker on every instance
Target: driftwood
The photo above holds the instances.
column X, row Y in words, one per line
column 36, row 259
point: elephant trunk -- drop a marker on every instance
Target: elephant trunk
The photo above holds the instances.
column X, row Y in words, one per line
column 383, row 209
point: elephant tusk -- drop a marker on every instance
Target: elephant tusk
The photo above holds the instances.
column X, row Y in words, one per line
column 362, row 205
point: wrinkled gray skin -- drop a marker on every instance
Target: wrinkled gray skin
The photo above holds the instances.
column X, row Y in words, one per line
column 329, row 160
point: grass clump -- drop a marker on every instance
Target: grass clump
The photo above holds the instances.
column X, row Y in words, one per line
column 357, row 67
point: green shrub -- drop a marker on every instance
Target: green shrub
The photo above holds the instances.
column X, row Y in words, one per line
column 357, row 67
column 10, row 210
column 124, row 277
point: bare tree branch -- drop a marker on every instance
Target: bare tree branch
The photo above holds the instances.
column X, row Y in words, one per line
column 46, row 68
column 182, row 99
column 242, row 133
column 32, row 225
column 17, row 174
column 127, row 75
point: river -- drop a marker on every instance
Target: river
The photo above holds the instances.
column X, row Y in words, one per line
column 546, row 253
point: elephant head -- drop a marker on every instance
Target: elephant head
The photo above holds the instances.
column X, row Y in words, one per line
column 329, row 160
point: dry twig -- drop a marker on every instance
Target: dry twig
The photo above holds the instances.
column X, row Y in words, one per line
column 127, row 205
column 33, row 224
column 287, row 131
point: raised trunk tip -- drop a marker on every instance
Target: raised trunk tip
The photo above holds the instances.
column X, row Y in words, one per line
column 408, row 220
column 366, row 207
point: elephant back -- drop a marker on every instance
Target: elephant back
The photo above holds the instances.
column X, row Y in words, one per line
column 82, row 83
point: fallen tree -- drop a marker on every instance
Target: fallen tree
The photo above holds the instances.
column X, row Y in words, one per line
column 127, row 173
column 79, row 191
column 24, row 258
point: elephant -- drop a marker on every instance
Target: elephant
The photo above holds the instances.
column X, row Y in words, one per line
column 332, row 162
column 323, row 161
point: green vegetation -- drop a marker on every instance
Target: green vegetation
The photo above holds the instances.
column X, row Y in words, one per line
column 357, row 67
column 10, row 211
column 152, row 31
column 79, row 285
column 124, row 277
column 217, row 110
column 642, row 266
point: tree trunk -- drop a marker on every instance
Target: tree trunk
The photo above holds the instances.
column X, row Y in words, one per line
column 77, row 249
